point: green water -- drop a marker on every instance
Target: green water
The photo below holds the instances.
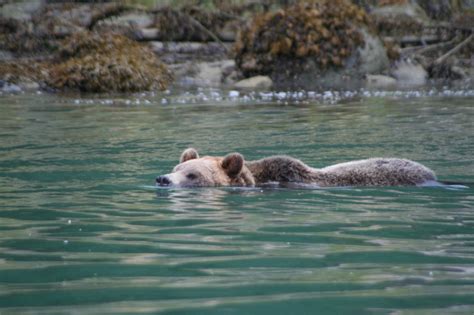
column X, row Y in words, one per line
column 83, row 230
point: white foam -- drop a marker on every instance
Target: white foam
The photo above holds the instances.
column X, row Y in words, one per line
column 284, row 97
column 433, row 183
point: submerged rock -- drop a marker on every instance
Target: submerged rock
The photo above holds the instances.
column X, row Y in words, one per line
column 311, row 43
column 94, row 62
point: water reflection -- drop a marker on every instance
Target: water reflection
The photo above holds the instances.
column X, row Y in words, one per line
column 189, row 200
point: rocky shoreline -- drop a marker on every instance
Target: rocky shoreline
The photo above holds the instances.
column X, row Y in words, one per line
column 110, row 47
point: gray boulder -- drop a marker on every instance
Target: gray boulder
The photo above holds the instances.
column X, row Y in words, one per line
column 203, row 74
column 410, row 10
column 258, row 82
column 21, row 10
column 377, row 81
column 408, row 73
column 137, row 19
column 368, row 59
column 372, row 57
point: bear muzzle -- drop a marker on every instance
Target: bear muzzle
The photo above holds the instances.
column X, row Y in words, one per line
column 163, row 181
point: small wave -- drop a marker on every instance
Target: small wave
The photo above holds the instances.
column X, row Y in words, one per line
column 433, row 183
column 296, row 185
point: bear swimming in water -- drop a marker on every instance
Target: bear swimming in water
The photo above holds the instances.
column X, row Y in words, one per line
column 233, row 170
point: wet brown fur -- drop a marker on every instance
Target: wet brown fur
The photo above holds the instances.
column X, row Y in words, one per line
column 234, row 170
column 369, row 172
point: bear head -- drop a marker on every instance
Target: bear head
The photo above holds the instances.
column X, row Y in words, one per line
column 195, row 171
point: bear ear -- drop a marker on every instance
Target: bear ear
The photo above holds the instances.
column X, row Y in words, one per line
column 188, row 154
column 233, row 164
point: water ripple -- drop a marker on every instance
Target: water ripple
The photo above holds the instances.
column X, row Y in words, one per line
column 83, row 229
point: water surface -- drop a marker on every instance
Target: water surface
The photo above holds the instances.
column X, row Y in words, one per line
column 82, row 229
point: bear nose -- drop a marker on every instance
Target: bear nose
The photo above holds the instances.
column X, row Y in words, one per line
column 163, row 181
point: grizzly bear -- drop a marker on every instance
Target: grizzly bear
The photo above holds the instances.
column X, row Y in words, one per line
column 233, row 170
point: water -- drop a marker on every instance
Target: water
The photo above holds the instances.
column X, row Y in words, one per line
column 83, row 230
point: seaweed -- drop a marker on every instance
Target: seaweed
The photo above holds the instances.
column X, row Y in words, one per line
column 94, row 62
column 324, row 32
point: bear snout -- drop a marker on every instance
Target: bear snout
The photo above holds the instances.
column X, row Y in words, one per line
column 163, row 181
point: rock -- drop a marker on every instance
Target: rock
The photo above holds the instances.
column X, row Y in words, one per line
column 193, row 23
column 409, row 74
column 465, row 20
column 230, row 76
column 135, row 19
column 468, row 4
column 310, row 45
column 5, row 55
column 202, row 74
column 449, row 70
column 21, row 10
column 407, row 9
column 179, row 52
column 440, row 9
column 372, row 57
column 10, row 88
column 78, row 14
column 229, row 31
column 188, row 47
column 14, row 85
column 130, row 24
column 64, row 19
column 257, row 82
column 399, row 19
column 210, row 73
column 149, row 33
column 29, row 86
column 462, row 74
column 61, row 20
column 93, row 62
column 23, row 74
column 470, row 73
column 379, row 81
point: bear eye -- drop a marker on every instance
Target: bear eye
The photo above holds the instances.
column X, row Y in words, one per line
column 191, row 176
